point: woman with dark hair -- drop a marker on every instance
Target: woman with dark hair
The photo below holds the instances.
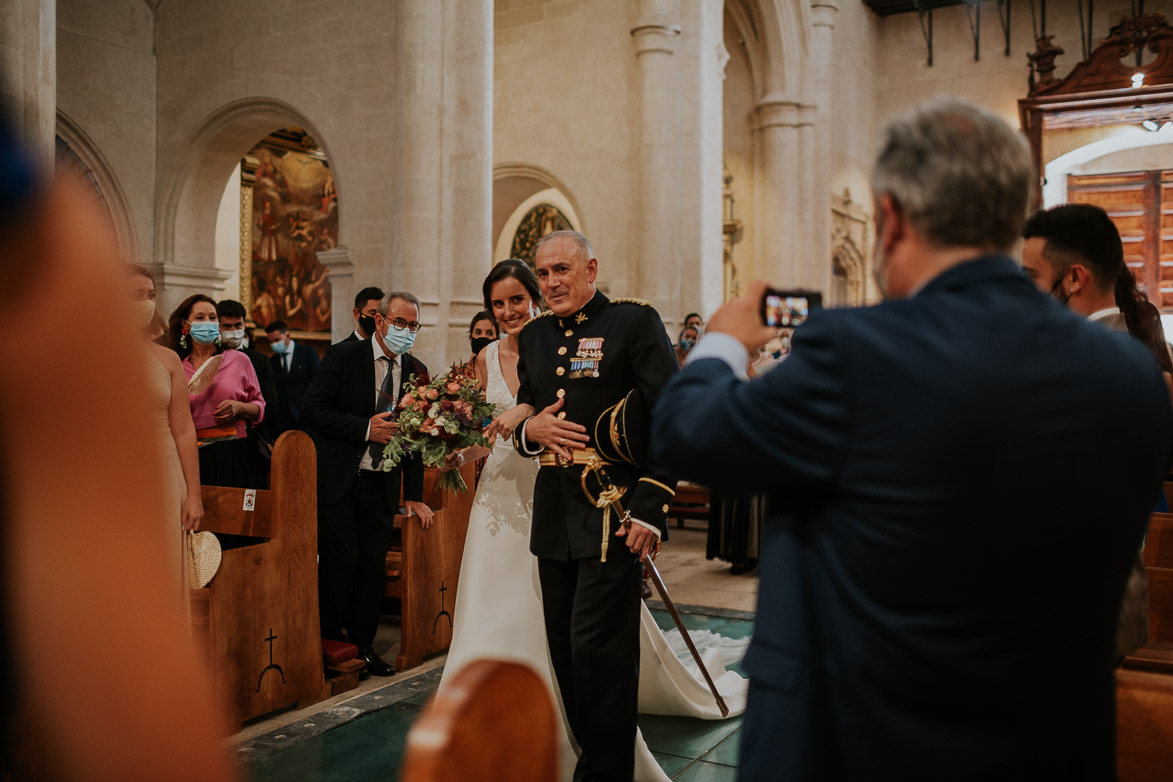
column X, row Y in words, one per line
column 482, row 330
column 223, row 390
column 499, row 605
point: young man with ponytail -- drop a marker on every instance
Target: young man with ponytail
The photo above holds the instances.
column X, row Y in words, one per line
column 1074, row 252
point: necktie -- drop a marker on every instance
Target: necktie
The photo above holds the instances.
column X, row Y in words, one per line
column 388, row 396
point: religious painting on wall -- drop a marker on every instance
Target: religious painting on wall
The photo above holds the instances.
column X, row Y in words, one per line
column 539, row 221
column 293, row 215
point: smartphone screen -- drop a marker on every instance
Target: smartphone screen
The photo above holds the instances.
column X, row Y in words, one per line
column 787, row 309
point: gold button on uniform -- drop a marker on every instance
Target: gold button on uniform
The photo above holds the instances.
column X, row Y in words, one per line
column 562, row 415
column 561, row 392
column 561, row 351
column 569, row 333
column 560, row 371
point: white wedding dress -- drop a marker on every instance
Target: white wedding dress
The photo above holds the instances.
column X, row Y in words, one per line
column 498, row 612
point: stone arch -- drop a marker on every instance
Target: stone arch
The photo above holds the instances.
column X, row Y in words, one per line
column 516, row 188
column 777, row 43
column 849, row 269
column 107, row 183
column 190, row 192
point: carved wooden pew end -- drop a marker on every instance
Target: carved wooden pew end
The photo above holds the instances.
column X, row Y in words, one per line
column 257, row 620
column 422, row 570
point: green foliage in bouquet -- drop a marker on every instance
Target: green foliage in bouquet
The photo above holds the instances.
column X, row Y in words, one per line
column 440, row 417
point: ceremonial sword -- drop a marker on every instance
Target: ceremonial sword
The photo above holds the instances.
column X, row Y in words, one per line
column 610, row 498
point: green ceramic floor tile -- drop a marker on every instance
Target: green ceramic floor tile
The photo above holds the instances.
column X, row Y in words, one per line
column 671, row 764
column 708, row 772
column 663, row 619
column 421, row 699
column 371, row 747
column 684, row 737
column 737, row 628
column 725, row 753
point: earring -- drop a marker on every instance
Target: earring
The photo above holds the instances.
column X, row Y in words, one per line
column 183, row 339
column 218, row 342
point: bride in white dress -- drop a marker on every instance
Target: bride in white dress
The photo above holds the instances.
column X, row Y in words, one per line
column 498, row 612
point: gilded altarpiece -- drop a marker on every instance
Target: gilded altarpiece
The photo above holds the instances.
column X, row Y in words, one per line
column 288, row 214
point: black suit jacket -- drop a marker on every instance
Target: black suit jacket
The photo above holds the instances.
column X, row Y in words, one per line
column 292, row 385
column 958, row 484
column 636, row 353
column 351, row 337
column 337, row 409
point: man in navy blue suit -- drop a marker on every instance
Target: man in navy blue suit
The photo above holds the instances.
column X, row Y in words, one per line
column 958, row 479
column 294, row 367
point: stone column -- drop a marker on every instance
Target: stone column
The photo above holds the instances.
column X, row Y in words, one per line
column 467, row 198
column 176, row 282
column 416, row 171
column 341, row 269
column 28, row 71
column 823, row 13
column 777, row 192
column 655, row 36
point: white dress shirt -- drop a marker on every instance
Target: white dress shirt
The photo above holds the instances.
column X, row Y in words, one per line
column 1107, row 312
column 380, row 376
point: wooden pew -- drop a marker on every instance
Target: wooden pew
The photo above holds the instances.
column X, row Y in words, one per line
column 424, row 572
column 469, row 734
column 1158, row 544
column 1144, row 726
column 258, row 617
column 691, row 501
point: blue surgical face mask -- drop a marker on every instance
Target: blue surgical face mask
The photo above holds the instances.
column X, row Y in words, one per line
column 205, row 332
column 397, row 340
column 279, row 347
column 687, row 344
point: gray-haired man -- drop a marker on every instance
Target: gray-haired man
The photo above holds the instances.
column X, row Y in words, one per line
column 350, row 410
column 959, row 479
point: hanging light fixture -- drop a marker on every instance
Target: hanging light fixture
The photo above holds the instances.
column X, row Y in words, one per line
column 1148, row 124
column 1138, row 79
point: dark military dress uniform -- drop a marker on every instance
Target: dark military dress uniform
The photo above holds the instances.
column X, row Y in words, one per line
column 592, row 360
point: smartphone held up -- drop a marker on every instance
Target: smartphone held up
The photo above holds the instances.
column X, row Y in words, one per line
column 788, row 309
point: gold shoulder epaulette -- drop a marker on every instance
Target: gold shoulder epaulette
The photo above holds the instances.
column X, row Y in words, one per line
column 640, row 302
column 536, row 317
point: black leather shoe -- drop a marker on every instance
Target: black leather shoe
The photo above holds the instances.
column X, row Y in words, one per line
column 374, row 666
column 645, row 591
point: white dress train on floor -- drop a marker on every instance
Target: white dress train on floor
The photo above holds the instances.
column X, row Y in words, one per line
column 498, row 610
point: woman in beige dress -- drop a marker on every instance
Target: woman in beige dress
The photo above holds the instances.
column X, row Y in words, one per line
column 174, row 429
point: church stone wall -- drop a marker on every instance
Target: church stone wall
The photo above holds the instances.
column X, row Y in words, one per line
column 564, row 101
column 106, row 89
column 996, row 81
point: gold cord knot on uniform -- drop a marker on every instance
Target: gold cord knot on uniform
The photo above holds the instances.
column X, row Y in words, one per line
column 609, row 496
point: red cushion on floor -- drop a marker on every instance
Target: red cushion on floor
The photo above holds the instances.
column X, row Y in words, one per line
column 337, row 652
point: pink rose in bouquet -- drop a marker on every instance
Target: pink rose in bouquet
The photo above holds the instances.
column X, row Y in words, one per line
column 437, row 418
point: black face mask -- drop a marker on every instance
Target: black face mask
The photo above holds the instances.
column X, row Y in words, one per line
column 367, row 323
column 480, row 343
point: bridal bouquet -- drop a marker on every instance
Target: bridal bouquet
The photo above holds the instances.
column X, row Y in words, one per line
column 438, row 418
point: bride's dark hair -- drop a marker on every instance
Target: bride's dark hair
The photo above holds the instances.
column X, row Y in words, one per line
column 518, row 270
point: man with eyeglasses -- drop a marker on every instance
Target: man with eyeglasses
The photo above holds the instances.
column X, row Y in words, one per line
column 350, row 408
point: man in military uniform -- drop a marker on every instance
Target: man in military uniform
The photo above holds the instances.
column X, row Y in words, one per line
column 576, row 362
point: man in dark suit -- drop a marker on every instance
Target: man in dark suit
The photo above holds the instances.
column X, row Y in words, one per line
column 233, row 335
column 587, row 354
column 350, row 410
column 958, row 480
column 294, row 367
column 366, row 305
